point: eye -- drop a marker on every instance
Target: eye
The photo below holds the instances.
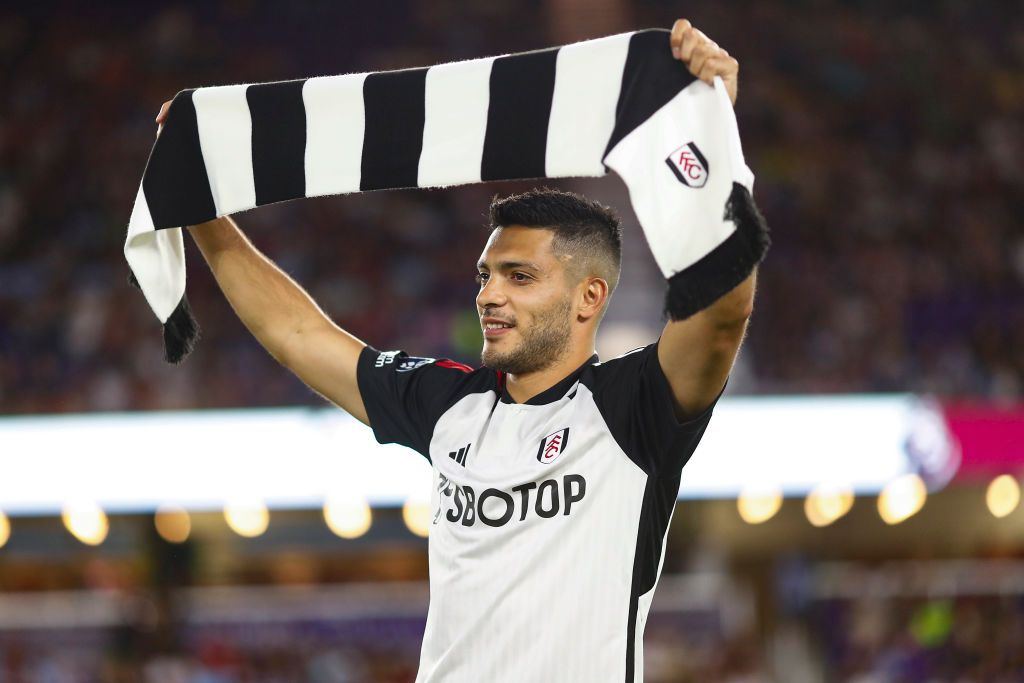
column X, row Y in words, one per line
column 481, row 278
column 520, row 277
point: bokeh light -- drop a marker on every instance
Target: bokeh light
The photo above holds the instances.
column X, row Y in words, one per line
column 247, row 518
column 86, row 521
column 825, row 504
column 416, row 515
column 1003, row 495
column 5, row 529
column 758, row 505
column 173, row 524
column 902, row 498
column 348, row 517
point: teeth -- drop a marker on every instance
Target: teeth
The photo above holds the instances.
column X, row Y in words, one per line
column 496, row 326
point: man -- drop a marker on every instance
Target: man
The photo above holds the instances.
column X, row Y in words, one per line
column 555, row 475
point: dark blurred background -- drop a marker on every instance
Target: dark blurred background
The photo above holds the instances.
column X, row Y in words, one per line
column 886, row 140
column 888, row 147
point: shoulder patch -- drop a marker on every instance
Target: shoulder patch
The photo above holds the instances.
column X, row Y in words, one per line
column 409, row 364
column 385, row 358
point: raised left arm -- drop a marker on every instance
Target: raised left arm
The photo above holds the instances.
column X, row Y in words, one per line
column 697, row 354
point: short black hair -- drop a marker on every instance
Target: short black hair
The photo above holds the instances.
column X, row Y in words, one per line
column 583, row 228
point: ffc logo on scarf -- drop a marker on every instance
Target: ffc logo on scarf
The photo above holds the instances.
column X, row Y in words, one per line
column 689, row 165
column 552, row 446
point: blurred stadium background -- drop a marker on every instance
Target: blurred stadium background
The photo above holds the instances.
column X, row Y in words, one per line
column 851, row 516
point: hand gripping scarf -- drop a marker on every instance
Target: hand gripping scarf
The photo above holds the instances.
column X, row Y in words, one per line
column 620, row 103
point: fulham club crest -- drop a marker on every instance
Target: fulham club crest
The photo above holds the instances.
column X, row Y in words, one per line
column 552, row 446
column 689, row 165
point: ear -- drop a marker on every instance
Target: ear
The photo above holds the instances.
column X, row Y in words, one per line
column 592, row 298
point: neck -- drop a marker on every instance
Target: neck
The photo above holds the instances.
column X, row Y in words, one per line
column 524, row 386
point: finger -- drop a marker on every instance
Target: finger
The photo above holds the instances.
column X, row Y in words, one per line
column 162, row 116
column 691, row 40
column 708, row 72
column 731, row 66
column 701, row 54
column 705, row 53
column 718, row 65
column 727, row 68
column 678, row 29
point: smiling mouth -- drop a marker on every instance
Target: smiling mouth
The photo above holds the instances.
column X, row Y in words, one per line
column 493, row 330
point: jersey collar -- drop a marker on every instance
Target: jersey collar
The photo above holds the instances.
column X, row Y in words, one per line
column 551, row 394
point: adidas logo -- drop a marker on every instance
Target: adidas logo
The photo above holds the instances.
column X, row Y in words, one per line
column 460, row 455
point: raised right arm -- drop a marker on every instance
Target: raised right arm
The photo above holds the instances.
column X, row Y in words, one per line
column 282, row 316
column 279, row 313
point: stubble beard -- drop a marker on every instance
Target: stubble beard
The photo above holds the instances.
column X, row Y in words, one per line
column 543, row 344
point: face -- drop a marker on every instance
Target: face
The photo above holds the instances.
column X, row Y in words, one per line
column 525, row 301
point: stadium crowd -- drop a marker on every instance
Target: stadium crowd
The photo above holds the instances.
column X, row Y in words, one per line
column 317, row 653
column 967, row 638
column 894, row 640
column 887, row 142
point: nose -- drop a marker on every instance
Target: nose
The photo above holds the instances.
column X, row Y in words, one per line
column 491, row 295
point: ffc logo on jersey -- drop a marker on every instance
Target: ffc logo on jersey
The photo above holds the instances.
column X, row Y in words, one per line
column 689, row 165
column 552, row 446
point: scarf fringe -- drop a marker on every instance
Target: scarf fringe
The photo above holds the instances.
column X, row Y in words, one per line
column 181, row 331
column 726, row 266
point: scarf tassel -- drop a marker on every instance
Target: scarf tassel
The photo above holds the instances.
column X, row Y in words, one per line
column 181, row 331
column 724, row 267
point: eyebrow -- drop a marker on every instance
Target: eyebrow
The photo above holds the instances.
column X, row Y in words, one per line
column 511, row 265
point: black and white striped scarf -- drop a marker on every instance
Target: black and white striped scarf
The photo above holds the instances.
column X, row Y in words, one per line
column 619, row 103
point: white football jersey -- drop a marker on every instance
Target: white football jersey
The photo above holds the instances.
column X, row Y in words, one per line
column 549, row 517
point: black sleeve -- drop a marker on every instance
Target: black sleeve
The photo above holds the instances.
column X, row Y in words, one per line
column 637, row 404
column 405, row 396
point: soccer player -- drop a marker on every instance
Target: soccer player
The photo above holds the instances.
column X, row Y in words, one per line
column 555, row 475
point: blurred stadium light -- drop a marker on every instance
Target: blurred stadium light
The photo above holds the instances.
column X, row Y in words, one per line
column 1003, row 495
column 247, row 517
column 5, row 529
column 758, row 504
column 297, row 458
column 416, row 515
column 902, row 498
column 173, row 523
column 825, row 504
column 348, row 518
column 86, row 521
